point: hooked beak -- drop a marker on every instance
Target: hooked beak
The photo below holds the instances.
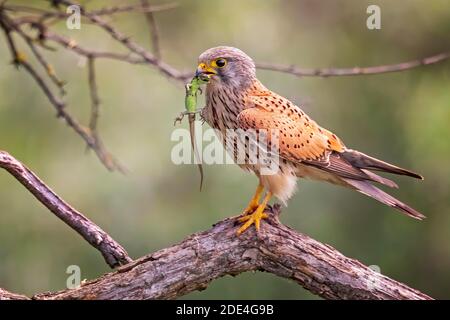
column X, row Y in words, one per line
column 204, row 70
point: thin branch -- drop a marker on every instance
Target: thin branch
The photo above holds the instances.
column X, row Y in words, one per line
column 130, row 57
column 131, row 45
column 95, row 101
column 92, row 141
column 134, row 8
column 42, row 60
column 86, row 52
column 136, row 55
column 107, row 159
column 107, row 11
column 205, row 256
column 112, row 252
column 20, row 60
column 355, row 71
column 153, row 27
column 90, row 136
column 16, row 57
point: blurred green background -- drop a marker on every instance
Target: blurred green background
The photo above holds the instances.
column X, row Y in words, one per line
column 401, row 117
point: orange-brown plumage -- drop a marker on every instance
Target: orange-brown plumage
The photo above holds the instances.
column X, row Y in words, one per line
column 237, row 100
column 300, row 137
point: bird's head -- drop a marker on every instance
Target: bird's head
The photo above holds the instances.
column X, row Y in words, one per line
column 226, row 66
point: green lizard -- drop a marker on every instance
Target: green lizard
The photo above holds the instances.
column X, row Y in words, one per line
column 190, row 103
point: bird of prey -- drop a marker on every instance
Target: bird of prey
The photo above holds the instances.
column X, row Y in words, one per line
column 236, row 99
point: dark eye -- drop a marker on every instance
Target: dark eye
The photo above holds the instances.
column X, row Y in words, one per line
column 221, row 62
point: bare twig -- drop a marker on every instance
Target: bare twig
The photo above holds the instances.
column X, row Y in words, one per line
column 135, row 54
column 16, row 57
column 134, row 8
column 95, row 101
column 107, row 11
column 355, row 71
column 107, row 159
column 112, row 252
column 131, row 45
column 153, row 27
column 42, row 60
column 19, row 59
column 90, row 136
column 205, row 256
column 86, row 52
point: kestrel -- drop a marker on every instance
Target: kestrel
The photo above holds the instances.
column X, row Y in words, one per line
column 236, row 99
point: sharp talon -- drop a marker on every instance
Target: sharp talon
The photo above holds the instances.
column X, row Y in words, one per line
column 244, row 218
column 254, row 218
column 254, row 211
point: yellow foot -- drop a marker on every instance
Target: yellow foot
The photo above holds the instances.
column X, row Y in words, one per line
column 250, row 209
column 254, row 203
column 254, row 218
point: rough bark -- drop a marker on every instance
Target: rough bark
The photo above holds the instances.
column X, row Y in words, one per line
column 6, row 295
column 202, row 257
column 191, row 265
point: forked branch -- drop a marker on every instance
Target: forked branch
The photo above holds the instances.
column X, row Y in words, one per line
column 208, row 255
column 205, row 256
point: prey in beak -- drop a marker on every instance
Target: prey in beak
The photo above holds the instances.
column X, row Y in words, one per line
column 204, row 71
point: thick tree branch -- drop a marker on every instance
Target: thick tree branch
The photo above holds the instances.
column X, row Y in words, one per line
column 6, row 295
column 205, row 256
column 112, row 252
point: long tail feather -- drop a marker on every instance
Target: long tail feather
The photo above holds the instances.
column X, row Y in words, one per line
column 368, row 189
column 363, row 161
column 380, row 179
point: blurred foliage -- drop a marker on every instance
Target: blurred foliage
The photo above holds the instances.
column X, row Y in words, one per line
column 400, row 117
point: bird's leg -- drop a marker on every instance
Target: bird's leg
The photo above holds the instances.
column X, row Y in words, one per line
column 256, row 216
column 254, row 203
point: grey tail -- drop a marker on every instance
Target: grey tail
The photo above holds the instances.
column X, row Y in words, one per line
column 368, row 189
column 363, row 161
